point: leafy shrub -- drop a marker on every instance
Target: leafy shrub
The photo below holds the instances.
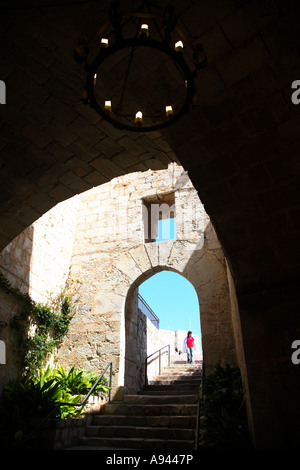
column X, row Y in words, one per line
column 26, row 401
column 48, row 325
column 74, row 382
column 224, row 418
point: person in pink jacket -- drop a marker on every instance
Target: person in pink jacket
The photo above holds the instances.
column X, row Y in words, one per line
column 188, row 347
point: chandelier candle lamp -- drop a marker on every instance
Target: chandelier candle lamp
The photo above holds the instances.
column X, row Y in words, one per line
column 141, row 74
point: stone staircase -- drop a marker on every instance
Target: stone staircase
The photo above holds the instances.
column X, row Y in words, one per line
column 162, row 416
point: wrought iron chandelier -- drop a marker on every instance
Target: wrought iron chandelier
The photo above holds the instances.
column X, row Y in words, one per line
column 141, row 77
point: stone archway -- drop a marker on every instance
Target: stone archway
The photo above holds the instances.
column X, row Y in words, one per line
column 109, row 259
column 141, row 337
column 205, row 267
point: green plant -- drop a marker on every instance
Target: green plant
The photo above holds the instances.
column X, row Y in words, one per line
column 50, row 327
column 23, row 402
column 26, row 401
column 224, row 418
column 40, row 328
column 75, row 381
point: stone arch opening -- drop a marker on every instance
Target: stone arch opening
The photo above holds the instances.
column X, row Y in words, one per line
column 174, row 300
column 142, row 337
column 204, row 266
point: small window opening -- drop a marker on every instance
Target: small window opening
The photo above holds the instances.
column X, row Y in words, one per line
column 159, row 217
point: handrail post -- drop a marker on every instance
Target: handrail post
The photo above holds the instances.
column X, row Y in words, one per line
column 146, row 372
column 200, row 403
column 198, row 425
column 169, row 358
column 159, row 358
column 159, row 362
column 110, row 381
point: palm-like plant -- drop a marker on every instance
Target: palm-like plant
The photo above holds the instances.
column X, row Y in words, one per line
column 26, row 401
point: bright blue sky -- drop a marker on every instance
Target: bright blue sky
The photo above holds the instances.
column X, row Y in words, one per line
column 166, row 229
column 174, row 300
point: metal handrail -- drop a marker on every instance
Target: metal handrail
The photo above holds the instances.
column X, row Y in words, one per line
column 199, row 407
column 159, row 357
column 149, row 312
column 81, row 404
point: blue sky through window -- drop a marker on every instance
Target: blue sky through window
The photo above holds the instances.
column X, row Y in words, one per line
column 166, row 229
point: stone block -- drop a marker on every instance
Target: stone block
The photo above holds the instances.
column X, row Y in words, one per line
column 209, row 80
column 28, row 87
column 154, row 164
column 106, row 167
column 59, row 111
column 108, row 148
column 125, row 159
column 141, row 258
column 61, row 133
column 132, row 146
column 215, row 44
column 94, row 178
column 258, row 119
column 61, row 193
column 88, row 132
column 152, row 252
column 127, row 265
column 106, row 303
column 74, row 182
column 38, row 136
column 237, row 65
column 248, row 21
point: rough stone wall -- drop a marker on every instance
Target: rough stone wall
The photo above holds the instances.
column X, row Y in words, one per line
column 110, row 259
column 98, row 238
column 37, row 263
column 53, row 237
column 15, row 260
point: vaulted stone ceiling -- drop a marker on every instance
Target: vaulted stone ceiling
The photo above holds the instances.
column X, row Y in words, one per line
column 240, row 145
column 240, row 142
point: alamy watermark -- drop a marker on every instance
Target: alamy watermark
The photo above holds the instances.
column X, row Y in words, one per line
column 296, row 354
column 296, row 95
column 190, row 223
column 2, row 353
column 2, row 92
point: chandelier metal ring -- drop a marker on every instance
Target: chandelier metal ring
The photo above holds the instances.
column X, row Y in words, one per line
column 176, row 57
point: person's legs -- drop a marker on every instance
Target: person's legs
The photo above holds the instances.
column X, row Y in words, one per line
column 188, row 351
column 192, row 355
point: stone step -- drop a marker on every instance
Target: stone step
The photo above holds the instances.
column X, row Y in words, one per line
column 183, row 361
column 176, row 382
column 160, row 399
column 188, row 421
column 158, row 390
column 162, row 416
column 125, row 409
column 183, row 366
column 137, row 443
column 181, row 371
column 173, row 386
column 140, row 432
column 176, row 377
column 179, row 374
